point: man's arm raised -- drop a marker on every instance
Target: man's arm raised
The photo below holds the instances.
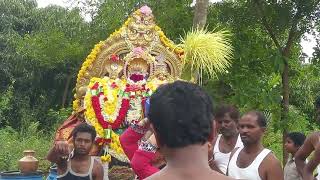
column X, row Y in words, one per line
column 211, row 160
column 312, row 164
column 60, row 148
column 310, row 144
column 98, row 172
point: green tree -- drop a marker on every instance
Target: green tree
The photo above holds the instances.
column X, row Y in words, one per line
column 40, row 53
column 256, row 79
column 200, row 13
column 15, row 22
column 291, row 19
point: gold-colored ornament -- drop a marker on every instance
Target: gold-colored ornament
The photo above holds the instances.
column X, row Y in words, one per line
column 113, row 68
column 138, row 31
column 140, row 55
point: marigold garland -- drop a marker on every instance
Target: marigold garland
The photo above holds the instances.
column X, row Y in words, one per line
column 106, row 123
column 92, row 119
column 115, row 143
column 110, row 105
column 107, row 92
column 94, row 110
column 89, row 60
column 168, row 43
column 75, row 105
column 106, row 158
column 92, row 57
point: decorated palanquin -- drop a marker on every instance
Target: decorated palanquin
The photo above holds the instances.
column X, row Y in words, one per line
column 122, row 72
column 119, row 75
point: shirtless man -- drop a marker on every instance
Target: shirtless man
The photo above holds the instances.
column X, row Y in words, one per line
column 181, row 116
column 311, row 144
column 80, row 165
column 253, row 161
column 226, row 119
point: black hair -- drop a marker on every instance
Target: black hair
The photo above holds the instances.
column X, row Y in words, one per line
column 297, row 138
column 261, row 118
column 222, row 110
column 84, row 127
column 317, row 102
column 181, row 113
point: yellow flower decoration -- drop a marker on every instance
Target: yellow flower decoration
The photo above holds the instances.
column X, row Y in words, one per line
column 151, row 86
column 93, row 56
column 89, row 60
column 115, row 143
column 167, row 42
column 75, row 104
column 106, row 158
column 91, row 117
column 110, row 107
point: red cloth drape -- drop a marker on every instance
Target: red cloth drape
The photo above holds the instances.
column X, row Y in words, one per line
column 140, row 160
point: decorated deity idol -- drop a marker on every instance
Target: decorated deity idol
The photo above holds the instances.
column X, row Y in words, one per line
column 121, row 73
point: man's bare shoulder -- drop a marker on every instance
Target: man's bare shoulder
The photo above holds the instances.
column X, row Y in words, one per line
column 212, row 175
column 270, row 168
column 272, row 158
column 270, row 161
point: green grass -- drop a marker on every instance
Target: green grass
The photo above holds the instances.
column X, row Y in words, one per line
column 13, row 143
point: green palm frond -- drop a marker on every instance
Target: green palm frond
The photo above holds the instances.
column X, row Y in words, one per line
column 207, row 52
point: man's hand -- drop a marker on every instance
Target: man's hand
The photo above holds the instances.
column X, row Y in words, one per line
column 144, row 123
column 211, row 161
column 61, row 148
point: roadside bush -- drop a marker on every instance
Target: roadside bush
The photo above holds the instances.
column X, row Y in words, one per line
column 13, row 143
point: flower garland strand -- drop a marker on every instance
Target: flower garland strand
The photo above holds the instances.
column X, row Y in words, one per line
column 105, row 123
column 106, row 92
column 168, row 43
column 89, row 60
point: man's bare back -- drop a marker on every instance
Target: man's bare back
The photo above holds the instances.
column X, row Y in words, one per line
column 187, row 175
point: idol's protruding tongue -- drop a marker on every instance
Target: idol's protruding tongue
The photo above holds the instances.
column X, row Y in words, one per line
column 136, row 77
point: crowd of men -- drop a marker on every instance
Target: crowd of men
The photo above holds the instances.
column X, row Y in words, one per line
column 181, row 123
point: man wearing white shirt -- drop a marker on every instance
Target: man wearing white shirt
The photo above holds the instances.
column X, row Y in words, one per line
column 226, row 120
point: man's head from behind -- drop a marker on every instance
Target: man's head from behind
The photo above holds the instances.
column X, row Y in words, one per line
column 227, row 117
column 252, row 126
column 83, row 137
column 181, row 114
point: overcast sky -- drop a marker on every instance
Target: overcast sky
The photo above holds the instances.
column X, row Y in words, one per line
column 307, row 45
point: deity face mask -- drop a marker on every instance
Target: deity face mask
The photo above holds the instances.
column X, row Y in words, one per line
column 140, row 31
column 138, row 70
